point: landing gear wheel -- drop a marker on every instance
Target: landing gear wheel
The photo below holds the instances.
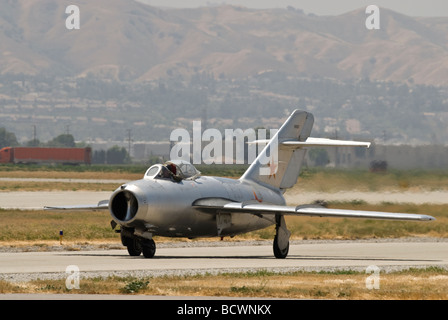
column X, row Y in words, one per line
column 280, row 253
column 134, row 247
column 132, row 244
column 281, row 239
column 148, row 247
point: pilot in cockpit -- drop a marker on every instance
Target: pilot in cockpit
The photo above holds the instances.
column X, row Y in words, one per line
column 166, row 173
column 172, row 168
column 169, row 172
column 175, row 170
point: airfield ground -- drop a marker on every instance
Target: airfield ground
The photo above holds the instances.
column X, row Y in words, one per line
column 29, row 230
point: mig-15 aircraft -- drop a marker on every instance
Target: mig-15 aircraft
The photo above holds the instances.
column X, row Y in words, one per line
column 174, row 200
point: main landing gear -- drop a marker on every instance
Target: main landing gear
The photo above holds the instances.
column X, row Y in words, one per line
column 136, row 245
column 281, row 239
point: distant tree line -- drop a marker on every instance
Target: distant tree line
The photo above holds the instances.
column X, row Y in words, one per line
column 114, row 155
column 7, row 139
column 61, row 141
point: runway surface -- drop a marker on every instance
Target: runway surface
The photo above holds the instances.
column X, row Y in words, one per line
column 332, row 255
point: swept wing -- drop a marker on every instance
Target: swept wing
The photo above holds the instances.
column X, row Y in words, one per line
column 102, row 205
column 217, row 206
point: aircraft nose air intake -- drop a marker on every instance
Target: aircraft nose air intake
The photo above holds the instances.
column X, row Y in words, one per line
column 124, row 205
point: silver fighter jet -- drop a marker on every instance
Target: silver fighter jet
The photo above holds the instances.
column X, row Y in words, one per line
column 174, row 200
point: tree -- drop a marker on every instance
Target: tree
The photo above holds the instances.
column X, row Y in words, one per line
column 7, row 139
column 63, row 140
column 117, row 155
column 99, row 157
column 33, row 143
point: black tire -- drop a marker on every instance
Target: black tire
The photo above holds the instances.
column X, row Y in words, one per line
column 280, row 254
column 148, row 248
column 134, row 247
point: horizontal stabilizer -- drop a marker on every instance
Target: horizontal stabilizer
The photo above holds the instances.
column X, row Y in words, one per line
column 322, row 142
column 316, row 142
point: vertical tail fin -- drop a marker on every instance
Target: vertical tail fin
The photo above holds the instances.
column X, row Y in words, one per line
column 279, row 165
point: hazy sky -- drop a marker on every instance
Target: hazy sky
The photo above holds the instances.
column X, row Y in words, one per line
column 322, row 7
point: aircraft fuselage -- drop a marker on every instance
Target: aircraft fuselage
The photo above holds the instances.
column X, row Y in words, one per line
column 164, row 207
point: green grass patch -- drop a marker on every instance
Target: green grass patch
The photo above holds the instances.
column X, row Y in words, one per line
column 24, row 225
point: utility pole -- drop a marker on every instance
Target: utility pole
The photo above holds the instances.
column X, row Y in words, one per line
column 129, row 142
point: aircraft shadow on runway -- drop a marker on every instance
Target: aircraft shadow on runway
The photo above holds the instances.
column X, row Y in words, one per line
column 268, row 257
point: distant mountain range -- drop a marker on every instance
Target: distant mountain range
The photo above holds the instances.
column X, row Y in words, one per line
column 128, row 40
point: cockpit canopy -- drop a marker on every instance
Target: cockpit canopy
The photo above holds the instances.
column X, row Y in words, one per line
column 176, row 170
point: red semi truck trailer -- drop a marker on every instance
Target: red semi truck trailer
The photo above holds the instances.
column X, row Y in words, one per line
column 46, row 155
